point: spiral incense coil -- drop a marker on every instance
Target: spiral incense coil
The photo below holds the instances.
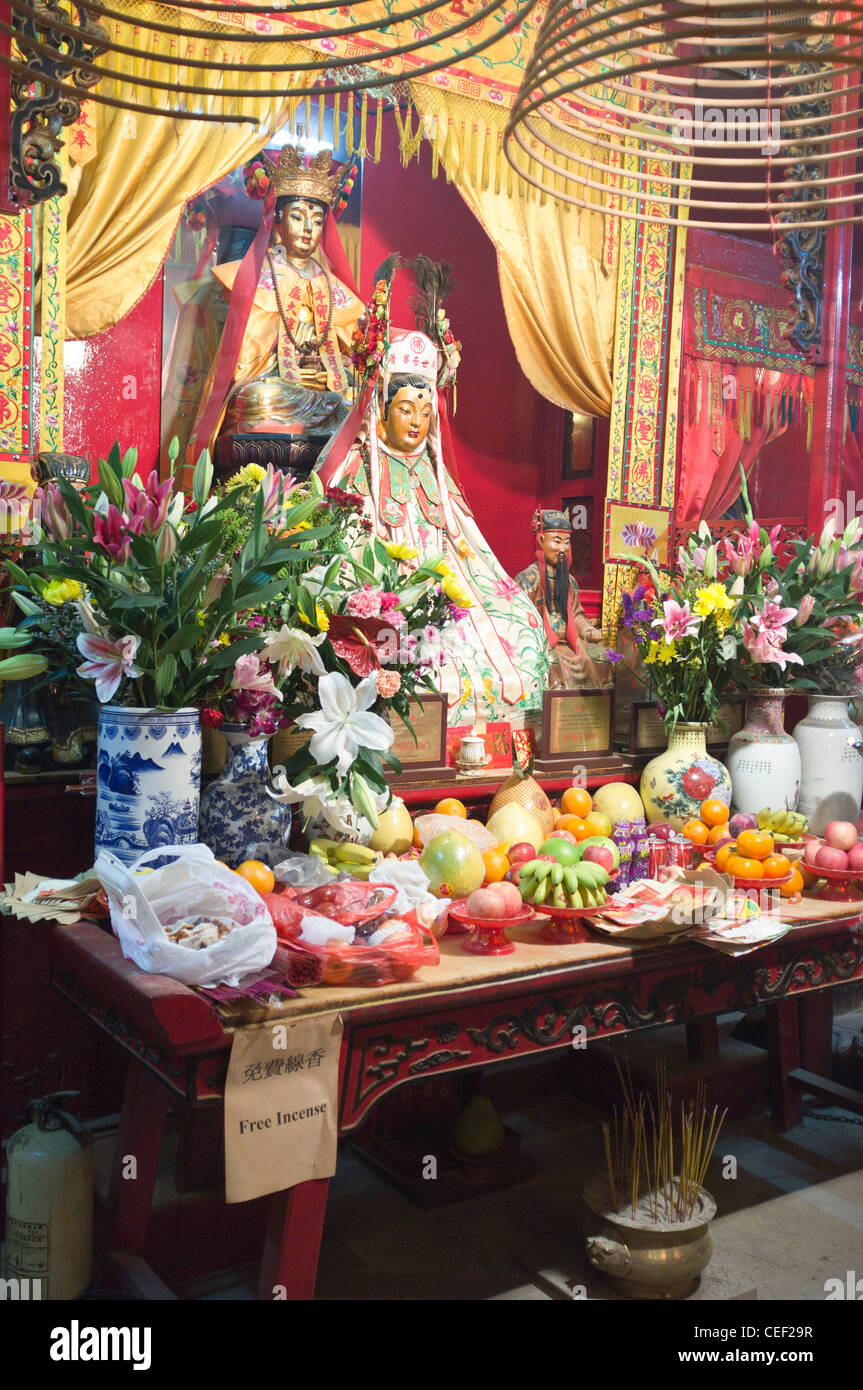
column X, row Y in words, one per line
column 671, row 112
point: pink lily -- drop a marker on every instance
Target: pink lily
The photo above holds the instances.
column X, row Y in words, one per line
column 56, row 511
column 765, row 648
column 743, row 556
column 856, row 581
column 249, row 674
column 147, row 507
column 277, row 488
column 111, row 533
column 678, row 621
column 772, row 620
column 108, row 663
column 845, row 557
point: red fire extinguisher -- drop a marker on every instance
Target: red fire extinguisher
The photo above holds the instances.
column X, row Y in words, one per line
column 49, row 1203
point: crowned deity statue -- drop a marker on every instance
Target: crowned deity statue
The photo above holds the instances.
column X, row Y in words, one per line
column 396, row 452
column 282, row 364
column 576, row 662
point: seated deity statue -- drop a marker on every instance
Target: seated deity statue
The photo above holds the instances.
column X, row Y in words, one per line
column 576, row 651
column 395, row 451
column 282, row 319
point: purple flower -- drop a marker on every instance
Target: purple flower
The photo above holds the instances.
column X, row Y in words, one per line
column 643, row 615
column 613, row 656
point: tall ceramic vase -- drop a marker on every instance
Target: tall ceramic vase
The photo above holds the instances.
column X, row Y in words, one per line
column 674, row 784
column 763, row 760
column 148, row 779
column 831, row 769
column 236, row 810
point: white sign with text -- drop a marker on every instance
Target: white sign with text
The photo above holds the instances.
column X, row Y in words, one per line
column 281, row 1106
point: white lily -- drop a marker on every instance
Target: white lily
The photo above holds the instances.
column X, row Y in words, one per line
column 294, row 649
column 342, row 725
column 320, row 802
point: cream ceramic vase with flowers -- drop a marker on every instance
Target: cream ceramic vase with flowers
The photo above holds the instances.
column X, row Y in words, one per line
column 674, row 784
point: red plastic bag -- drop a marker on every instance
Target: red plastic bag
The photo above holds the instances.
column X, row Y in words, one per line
column 394, row 950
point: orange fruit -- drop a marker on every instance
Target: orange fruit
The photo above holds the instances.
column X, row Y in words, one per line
column 741, row 867
column 723, row 854
column 416, row 842
column 571, row 823
column 794, row 885
column 755, row 844
column 719, row 833
column 258, row 874
column 451, row 806
column 496, row 865
column 576, row 801
column 776, row 866
column 597, row 824
column 696, row 831
column 713, row 811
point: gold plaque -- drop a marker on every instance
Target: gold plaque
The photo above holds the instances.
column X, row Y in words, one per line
column 429, row 725
column 286, row 743
column 577, row 722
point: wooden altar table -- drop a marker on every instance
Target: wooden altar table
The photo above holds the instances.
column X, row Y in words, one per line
column 468, row 1012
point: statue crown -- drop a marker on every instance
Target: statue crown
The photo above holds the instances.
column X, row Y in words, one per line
column 293, row 178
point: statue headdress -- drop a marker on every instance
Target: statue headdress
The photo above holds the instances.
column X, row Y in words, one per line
column 293, row 177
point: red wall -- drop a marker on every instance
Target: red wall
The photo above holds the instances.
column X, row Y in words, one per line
column 506, row 434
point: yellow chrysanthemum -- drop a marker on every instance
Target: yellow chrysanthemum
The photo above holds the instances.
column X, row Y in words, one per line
column 457, row 592
column 397, row 551
column 62, row 591
column 322, row 619
column 715, row 599
column 250, row 476
column 662, row 652
column 224, row 640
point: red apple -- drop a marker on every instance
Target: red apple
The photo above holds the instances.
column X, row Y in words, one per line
column 484, row 903
column 811, row 847
column 520, row 853
column 829, row 858
column 599, row 854
column 855, row 857
column 565, row 835
column 841, row 834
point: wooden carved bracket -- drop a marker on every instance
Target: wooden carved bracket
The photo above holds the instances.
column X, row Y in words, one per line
column 40, row 112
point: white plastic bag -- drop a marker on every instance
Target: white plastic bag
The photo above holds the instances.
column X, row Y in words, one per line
column 411, row 880
column 193, row 885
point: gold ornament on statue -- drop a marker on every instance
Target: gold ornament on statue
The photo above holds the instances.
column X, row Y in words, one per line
column 293, row 178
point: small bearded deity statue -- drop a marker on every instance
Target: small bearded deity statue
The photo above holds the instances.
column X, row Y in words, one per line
column 554, row 593
column 283, row 364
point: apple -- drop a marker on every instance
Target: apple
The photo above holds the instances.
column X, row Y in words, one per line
column 483, row 903
column 855, row 858
column 564, row 851
column 509, row 896
column 662, row 829
column 520, row 853
column 565, row 835
column 598, row 854
column 841, row 834
column 829, row 858
column 741, row 821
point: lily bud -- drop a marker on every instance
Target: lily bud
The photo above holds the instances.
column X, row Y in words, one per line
column 766, row 556
column 737, row 586
column 217, row 583
column 22, row 667
column 804, row 612
column 710, row 563
column 364, row 800
column 166, row 544
column 828, row 534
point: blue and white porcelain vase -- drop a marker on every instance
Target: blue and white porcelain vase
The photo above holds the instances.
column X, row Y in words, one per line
column 236, row 809
column 148, row 779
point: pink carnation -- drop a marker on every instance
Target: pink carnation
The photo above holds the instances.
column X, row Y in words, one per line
column 366, row 603
column 388, row 684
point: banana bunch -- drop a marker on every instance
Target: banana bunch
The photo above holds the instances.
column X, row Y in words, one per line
column 784, row 826
column 579, row 886
column 342, row 857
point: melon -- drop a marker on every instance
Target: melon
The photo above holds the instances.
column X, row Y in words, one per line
column 526, row 792
column 619, row 801
column 512, row 824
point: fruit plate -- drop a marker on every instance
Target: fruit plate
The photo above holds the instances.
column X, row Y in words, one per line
column 567, row 924
column 487, row 935
column 840, row 885
column 757, row 884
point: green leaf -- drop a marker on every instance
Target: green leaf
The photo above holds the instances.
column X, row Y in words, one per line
column 183, row 639
column 129, row 602
column 199, row 535
column 113, row 460
column 166, row 674
column 110, row 483
column 20, row 576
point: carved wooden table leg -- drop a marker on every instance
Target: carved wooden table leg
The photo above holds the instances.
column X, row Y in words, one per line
column 783, row 1045
column 289, row 1265
column 816, row 1031
column 139, row 1138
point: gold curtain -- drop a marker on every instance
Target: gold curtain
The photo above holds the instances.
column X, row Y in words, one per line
column 127, row 200
column 557, row 265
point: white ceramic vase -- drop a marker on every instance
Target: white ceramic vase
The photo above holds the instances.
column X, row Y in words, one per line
column 831, row 769
column 148, row 779
column 763, row 760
